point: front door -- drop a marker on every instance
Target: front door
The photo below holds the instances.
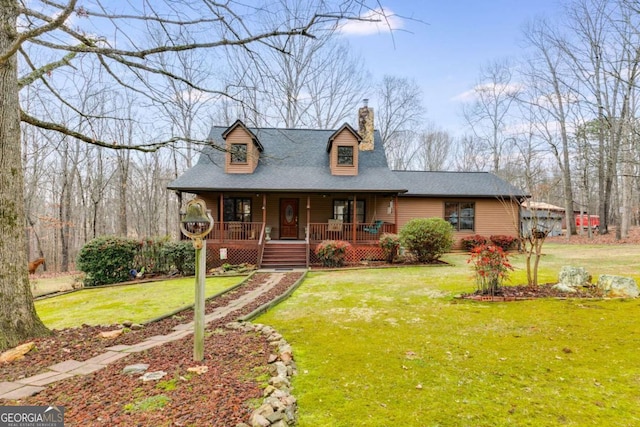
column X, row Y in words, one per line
column 288, row 218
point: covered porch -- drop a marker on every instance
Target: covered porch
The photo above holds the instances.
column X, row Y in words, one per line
column 246, row 222
column 254, row 217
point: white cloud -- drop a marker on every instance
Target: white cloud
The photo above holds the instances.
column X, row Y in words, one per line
column 465, row 96
column 376, row 21
column 488, row 88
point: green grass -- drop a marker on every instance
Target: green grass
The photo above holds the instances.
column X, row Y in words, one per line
column 391, row 347
column 149, row 404
column 116, row 304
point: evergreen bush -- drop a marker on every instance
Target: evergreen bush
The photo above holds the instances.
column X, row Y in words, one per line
column 427, row 238
column 107, row 259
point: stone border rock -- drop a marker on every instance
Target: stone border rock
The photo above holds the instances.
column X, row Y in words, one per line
column 279, row 406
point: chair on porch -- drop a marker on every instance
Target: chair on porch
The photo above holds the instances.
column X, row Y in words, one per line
column 374, row 228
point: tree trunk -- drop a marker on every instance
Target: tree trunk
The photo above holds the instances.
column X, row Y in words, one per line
column 123, row 175
column 64, row 211
column 18, row 318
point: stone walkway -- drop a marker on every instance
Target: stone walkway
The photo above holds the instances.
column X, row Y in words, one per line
column 26, row 387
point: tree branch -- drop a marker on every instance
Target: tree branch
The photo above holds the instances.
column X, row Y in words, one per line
column 46, row 69
column 51, row 25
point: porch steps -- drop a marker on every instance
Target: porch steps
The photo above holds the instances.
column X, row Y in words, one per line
column 279, row 255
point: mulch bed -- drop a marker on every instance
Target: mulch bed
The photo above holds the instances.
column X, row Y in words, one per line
column 219, row 397
column 524, row 292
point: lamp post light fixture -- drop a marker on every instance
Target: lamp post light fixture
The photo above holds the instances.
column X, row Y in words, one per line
column 196, row 223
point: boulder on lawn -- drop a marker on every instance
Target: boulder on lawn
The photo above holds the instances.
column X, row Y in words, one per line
column 574, row 276
column 618, row 286
column 571, row 279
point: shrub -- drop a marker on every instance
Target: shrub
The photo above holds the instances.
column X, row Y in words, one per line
column 390, row 243
column 428, row 239
column 471, row 242
column 107, row 260
column 491, row 267
column 332, row 253
column 152, row 255
column 181, row 255
column 502, row 241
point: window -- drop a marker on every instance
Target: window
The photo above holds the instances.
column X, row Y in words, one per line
column 237, row 209
column 345, row 155
column 238, row 153
column 461, row 215
column 343, row 210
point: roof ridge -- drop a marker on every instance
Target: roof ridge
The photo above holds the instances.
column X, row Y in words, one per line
column 456, row 172
column 278, row 128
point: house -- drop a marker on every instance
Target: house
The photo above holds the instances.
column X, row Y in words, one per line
column 276, row 193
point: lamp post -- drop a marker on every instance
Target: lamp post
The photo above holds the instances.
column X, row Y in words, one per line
column 196, row 223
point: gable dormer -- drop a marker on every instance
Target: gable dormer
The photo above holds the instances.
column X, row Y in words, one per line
column 242, row 149
column 343, row 151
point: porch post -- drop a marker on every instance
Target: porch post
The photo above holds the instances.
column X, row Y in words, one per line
column 353, row 220
column 221, row 222
column 264, row 209
column 308, row 216
column 395, row 212
column 307, row 234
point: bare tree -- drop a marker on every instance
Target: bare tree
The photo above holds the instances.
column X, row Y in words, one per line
column 604, row 57
column 338, row 89
column 488, row 114
column 551, row 98
column 398, row 118
column 315, row 83
column 434, row 148
column 53, row 46
column 468, row 155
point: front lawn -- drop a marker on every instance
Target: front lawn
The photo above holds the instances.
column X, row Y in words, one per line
column 115, row 304
column 392, row 347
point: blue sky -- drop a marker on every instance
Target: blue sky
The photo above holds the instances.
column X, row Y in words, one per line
column 447, row 44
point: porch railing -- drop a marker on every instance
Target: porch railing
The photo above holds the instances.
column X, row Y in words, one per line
column 236, row 231
column 345, row 231
column 315, row 232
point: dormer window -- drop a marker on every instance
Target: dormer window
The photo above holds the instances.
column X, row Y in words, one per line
column 342, row 148
column 238, row 153
column 345, row 155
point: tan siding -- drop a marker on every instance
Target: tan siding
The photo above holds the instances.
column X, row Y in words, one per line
column 345, row 138
column 409, row 208
column 239, row 136
column 378, row 209
column 496, row 217
column 491, row 216
column 211, row 200
column 321, row 208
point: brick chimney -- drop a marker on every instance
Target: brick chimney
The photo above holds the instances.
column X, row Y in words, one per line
column 365, row 126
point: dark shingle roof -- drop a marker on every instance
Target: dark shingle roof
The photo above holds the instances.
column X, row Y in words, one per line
column 297, row 160
column 292, row 160
column 456, row 184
